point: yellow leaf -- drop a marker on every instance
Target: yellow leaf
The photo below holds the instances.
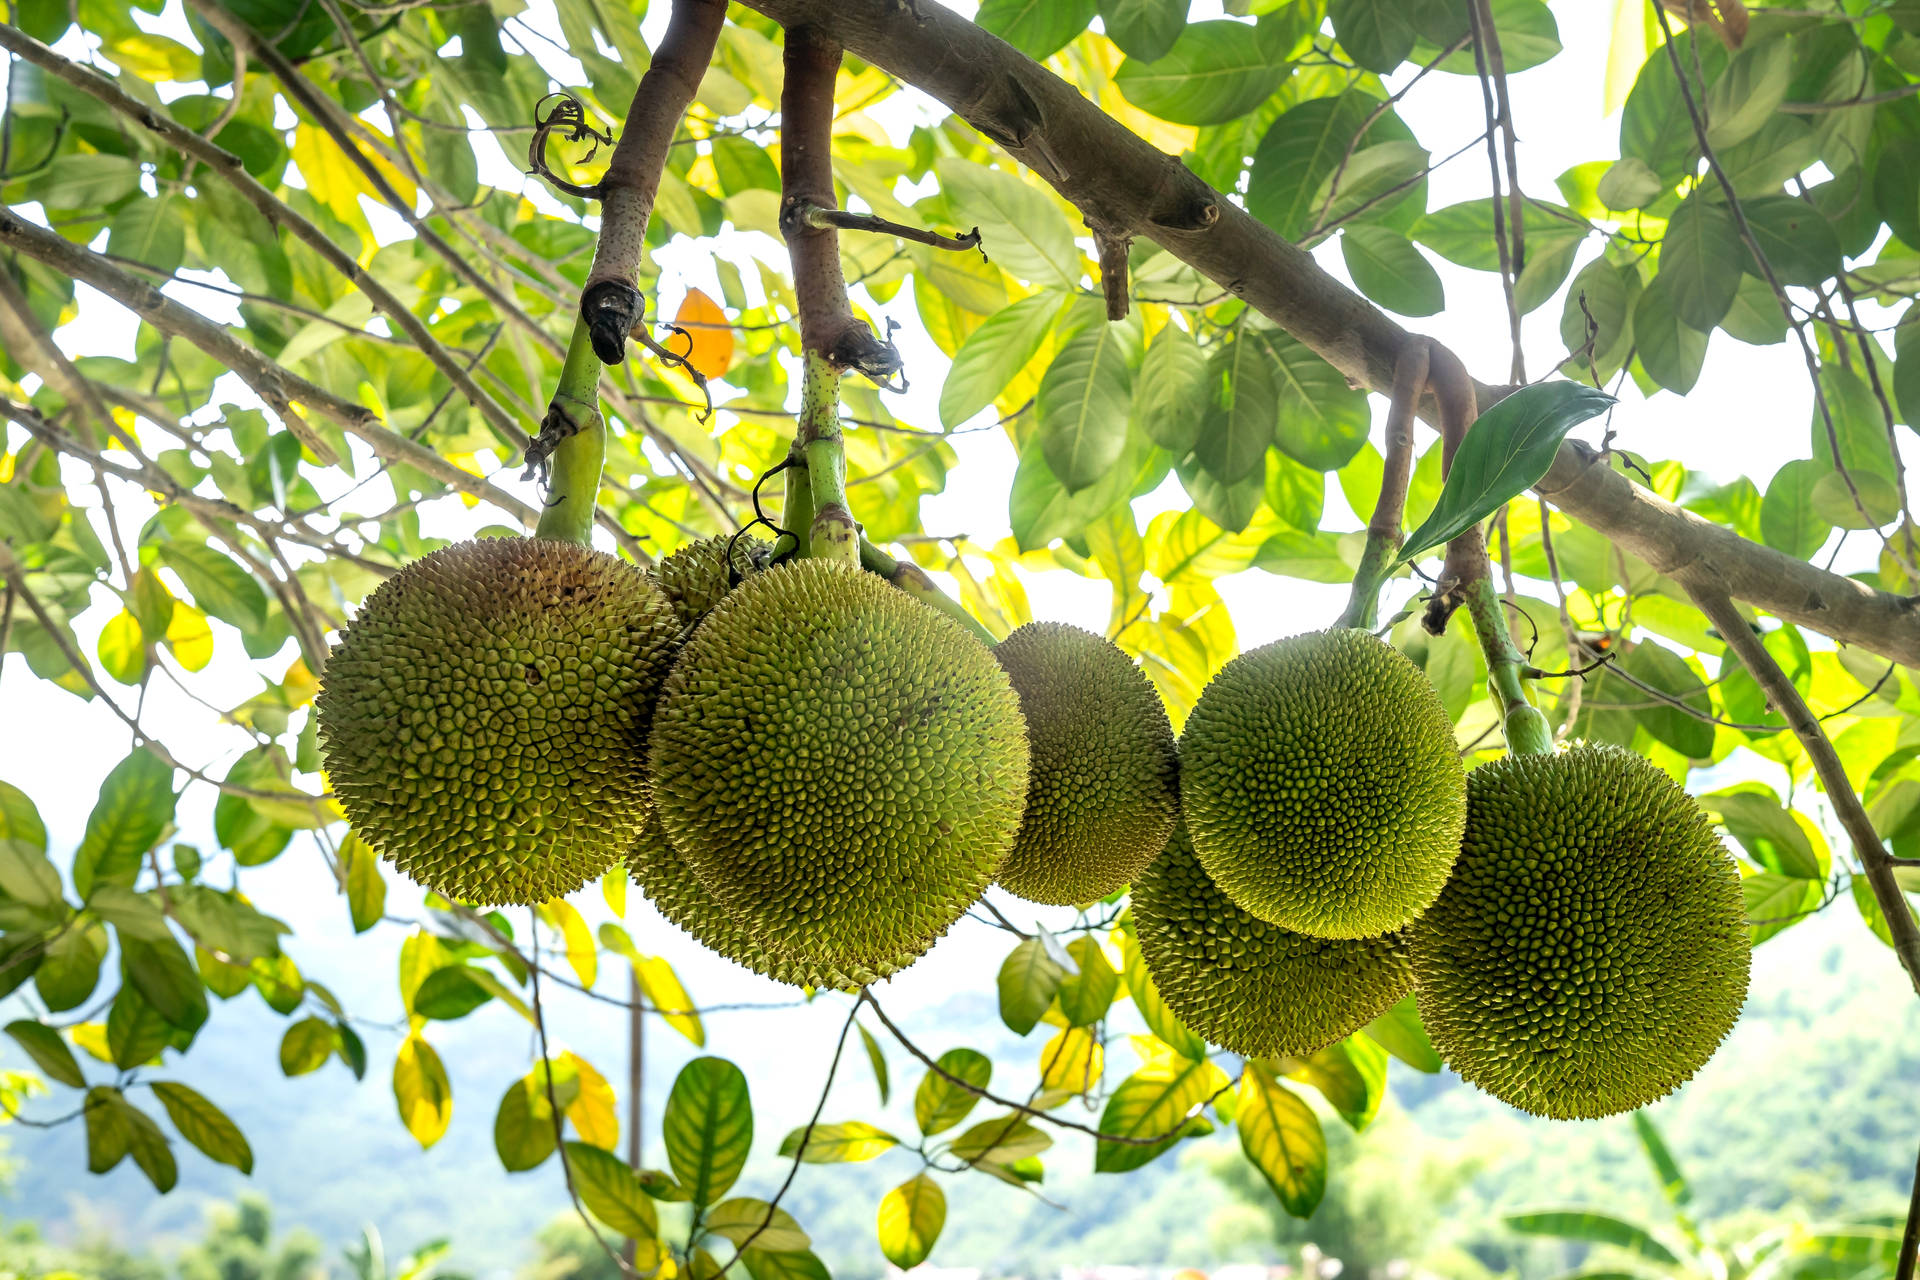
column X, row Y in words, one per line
column 613, row 887
column 154, row 57
column 1626, row 52
column 189, row 637
column 661, row 985
column 92, row 1036
column 1072, row 1061
column 711, row 348
column 592, row 1110
column 331, row 178
column 911, row 1217
column 581, row 952
column 122, row 648
column 421, row 1089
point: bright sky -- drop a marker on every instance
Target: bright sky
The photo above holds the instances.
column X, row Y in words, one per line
column 1748, row 415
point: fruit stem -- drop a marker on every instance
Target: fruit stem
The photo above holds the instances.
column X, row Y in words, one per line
column 1384, row 533
column 910, row 578
column 1528, row 732
column 832, row 533
column 574, row 491
column 796, row 513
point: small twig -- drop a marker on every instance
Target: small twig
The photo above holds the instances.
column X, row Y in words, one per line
column 568, row 118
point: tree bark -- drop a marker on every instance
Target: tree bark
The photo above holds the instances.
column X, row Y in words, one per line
column 1124, row 184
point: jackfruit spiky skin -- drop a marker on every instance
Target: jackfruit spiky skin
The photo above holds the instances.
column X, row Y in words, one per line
column 1591, row 950
column 1104, row 788
column 843, row 767
column 1251, row 987
column 483, row 719
column 1321, row 785
column 669, row 883
column 695, row 577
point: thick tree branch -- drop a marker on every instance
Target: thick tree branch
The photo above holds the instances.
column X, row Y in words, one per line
column 1113, row 174
column 611, row 304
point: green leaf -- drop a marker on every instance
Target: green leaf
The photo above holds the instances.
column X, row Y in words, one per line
column 218, row 585
column 149, row 231
column 1387, row 268
column 763, row 1264
column 1868, row 904
column 1701, row 257
column 19, row 819
column 708, row 1127
column 993, row 354
column 1755, row 318
column 121, row 650
column 70, row 968
column 911, row 1216
column 1629, row 184
column 48, row 1051
column 149, row 1146
column 1153, row 1010
column 1772, row 836
column 1656, row 127
column 611, row 1191
column 1671, row 351
column 1372, row 181
column 1028, row 980
column 133, row 914
column 1037, row 28
column 1001, row 1140
column 1281, row 1137
column 27, row 877
column 85, row 182
column 1748, row 92
column 450, row 993
column 133, row 812
column 939, row 1104
column 306, row 1046
column 1775, row 903
column 878, row 1061
column 1021, row 227
column 1688, row 734
column 1798, row 241
column 109, row 1133
column 167, row 978
column 769, row 1227
column 1323, row 421
column 1154, row 1102
column 523, row 1128
column 848, row 1142
column 1594, row 1228
column 205, row 1125
column 1231, row 506
column 1509, row 447
column 136, row 1033
column 366, row 887
column 1375, row 32
column 1242, row 407
column 451, row 161
column 1351, row 1074
column 1606, row 293
column 1082, row 403
column 1297, row 154
column 1673, row 1183
column 1215, row 72
column 1144, row 29
column 1086, row 996
column 421, row 1090
column 1170, row 397
column 1463, row 233
column 1400, row 1032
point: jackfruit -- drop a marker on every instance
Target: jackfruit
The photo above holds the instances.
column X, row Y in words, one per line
column 1321, row 785
column 1591, row 951
column 1251, row 987
column 695, row 576
column 483, row 718
column 843, row 767
column 1104, row 787
column 669, row 883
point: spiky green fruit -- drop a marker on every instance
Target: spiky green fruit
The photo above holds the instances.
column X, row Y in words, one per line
column 669, row 883
column 483, row 718
column 1321, row 785
column 695, row 577
column 1251, row 987
column 1104, row 786
column 1591, row 950
column 843, row 767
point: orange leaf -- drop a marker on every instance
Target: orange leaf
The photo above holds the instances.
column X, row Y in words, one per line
column 705, row 323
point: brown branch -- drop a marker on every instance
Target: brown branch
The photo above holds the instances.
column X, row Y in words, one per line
column 1507, row 223
column 1101, row 166
column 612, row 303
column 1910, row 1238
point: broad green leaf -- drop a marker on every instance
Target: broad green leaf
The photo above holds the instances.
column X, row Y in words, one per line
column 911, row 1216
column 1213, row 73
column 19, row 819
column 69, row 968
column 1748, row 92
column 1036, row 28
column 1323, row 421
column 1629, row 184
column 1020, row 226
column 48, row 1051
column 993, row 354
column 1144, row 29
column 1373, row 177
column 1463, row 233
column 1508, row 448
column 450, row 993
column 133, row 811
column 708, row 1127
column 612, row 1192
column 1700, row 261
column 939, row 1104
column 1673, row 1183
column 1028, row 980
column 27, row 877
column 306, row 1046
column 523, row 1128
column 1375, row 32
column 1689, row 734
column 1774, row 837
column 88, row 181
column 1086, row 996
column 1798, row 241
column 366, row 887
column 1155, row 1104
column 1083, row 402
column 848, row 1142
column 1153, row 1010
column 1656, row 127
column 1170, row 397
column 1387, row 267
column 1594, row 1228
column 1605, row 294
column 136, row 915
column 1351, row 1074
column 1231, row 506
column 218, row 585
column 1242, row 407
column 136, row 1033
column 421, row 1090
column 150, row 231
column 166, row 977
column 109, row 1132
column 205, row 1125
column 1775, row 903
column 755, row 1224
column 878, row 1061
column 1671, row 351
column 1000, row 1141
column 763, row 1264
column 1400, row 1032
column 1281, row 1137
column 148, row 1146
column 1297, row 154
column 121, row 649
